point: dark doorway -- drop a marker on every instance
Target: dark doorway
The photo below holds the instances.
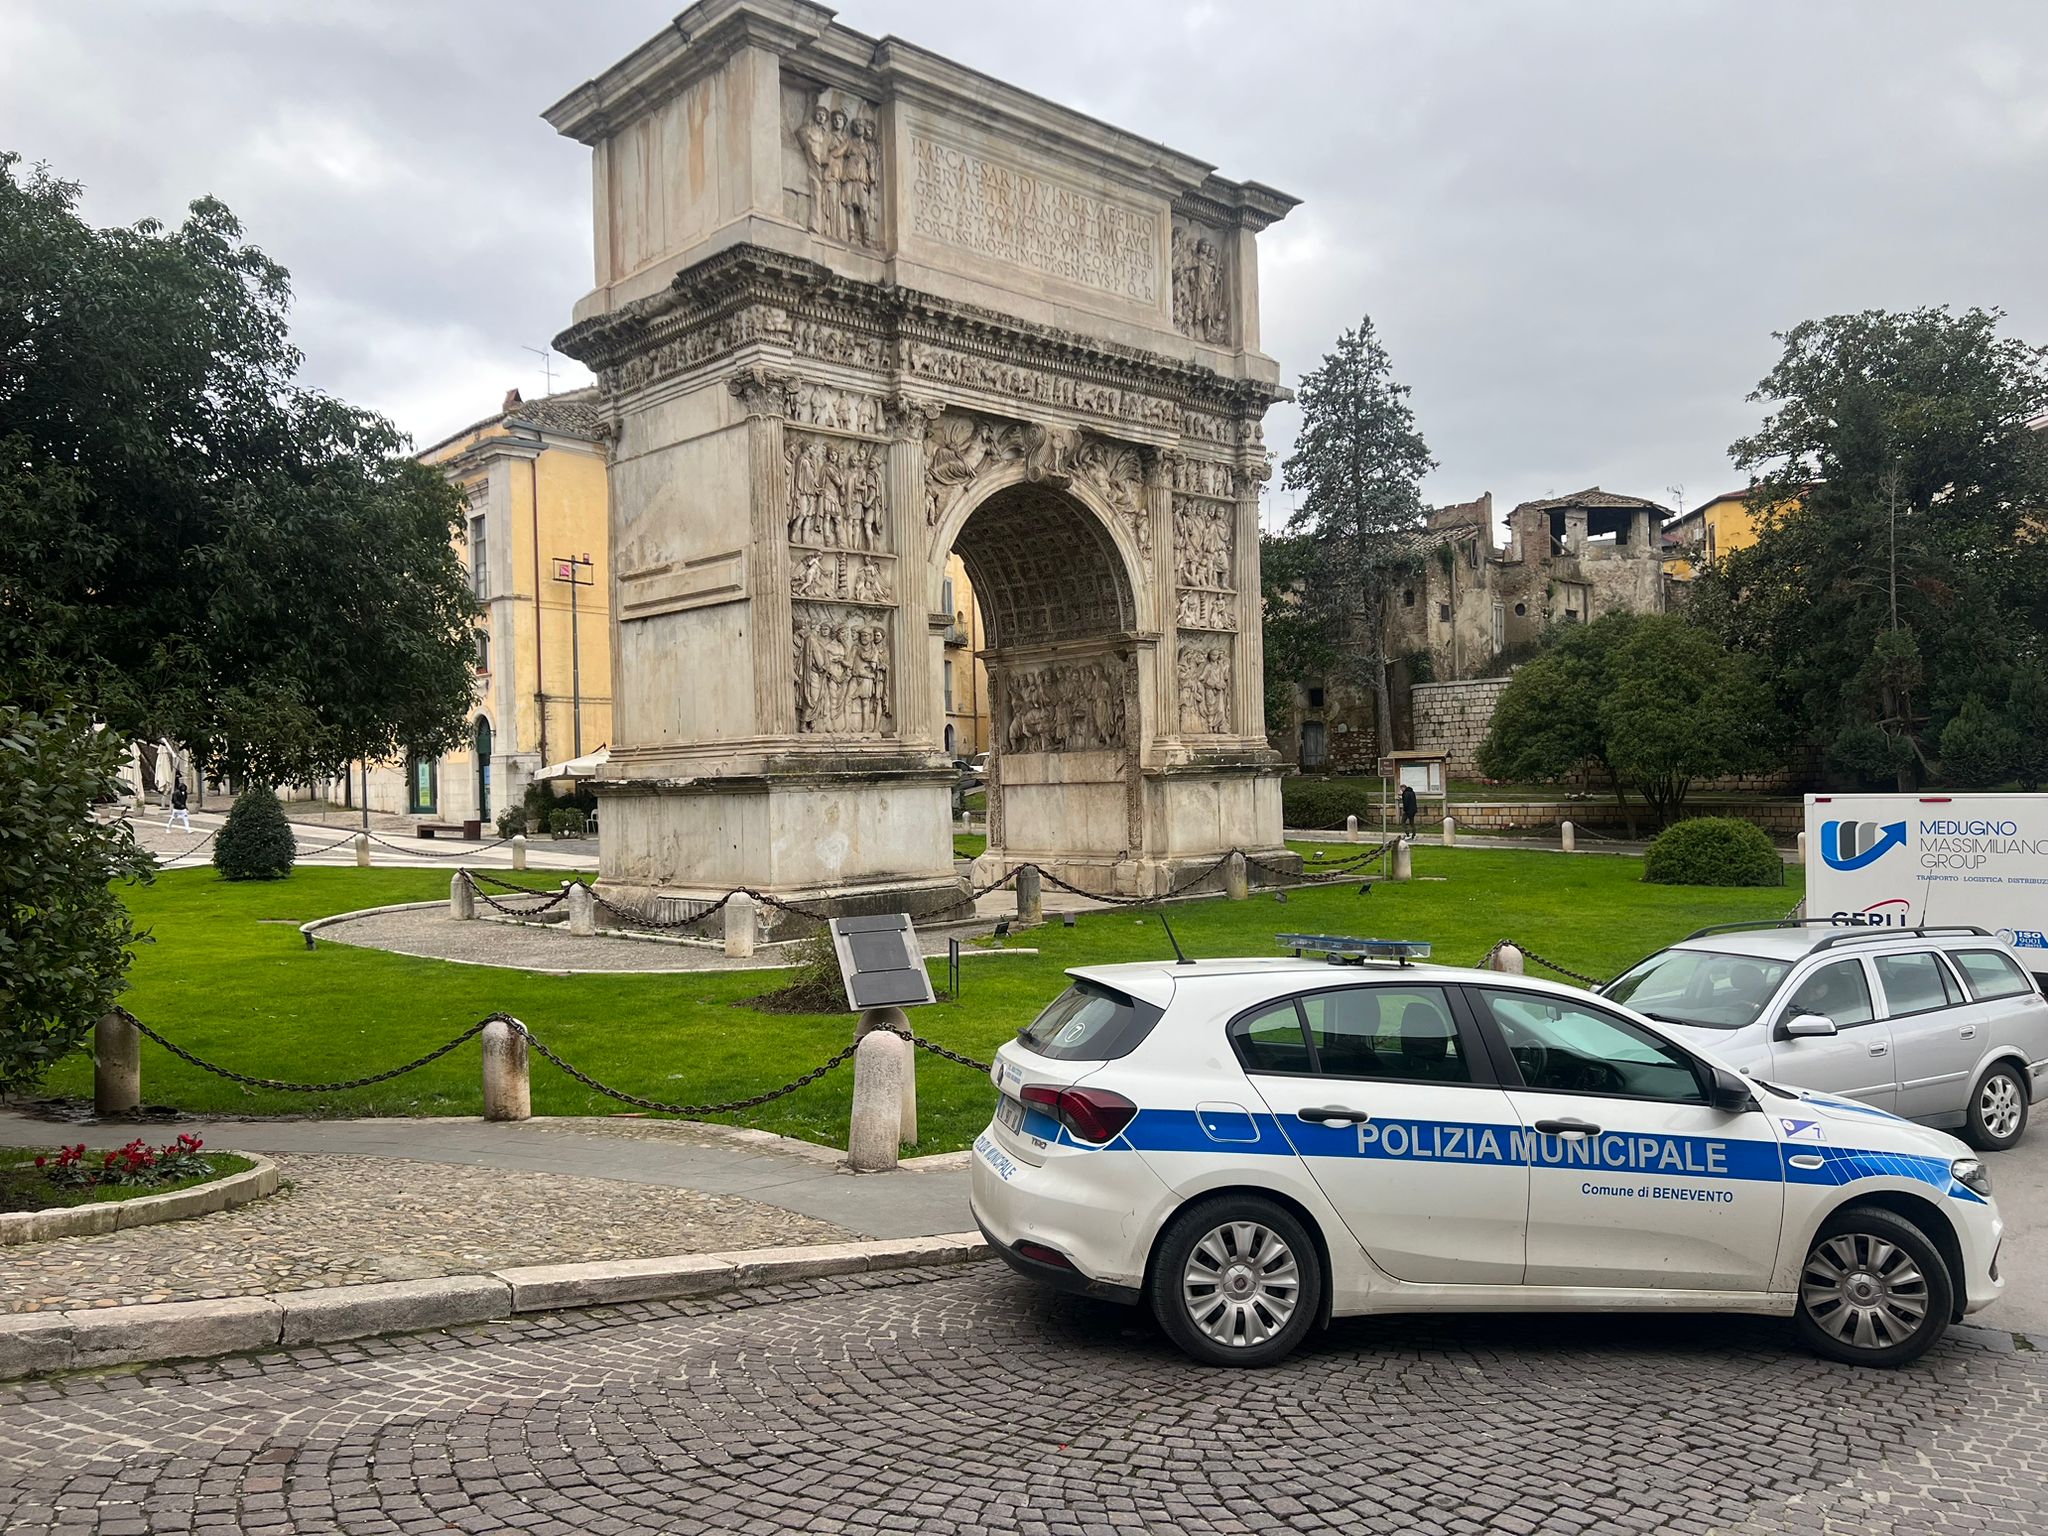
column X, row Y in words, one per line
column 1315, row 745
column 483, row 769
column 421, row 786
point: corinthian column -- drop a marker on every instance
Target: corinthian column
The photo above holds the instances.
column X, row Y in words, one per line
column 1249, row 679
column 917, row 647
column 764, row 401
column 1161, row 471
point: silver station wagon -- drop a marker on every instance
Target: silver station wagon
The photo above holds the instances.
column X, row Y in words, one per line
column 1939, row 1025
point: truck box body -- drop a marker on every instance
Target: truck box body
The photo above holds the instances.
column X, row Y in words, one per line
column 1906, row 860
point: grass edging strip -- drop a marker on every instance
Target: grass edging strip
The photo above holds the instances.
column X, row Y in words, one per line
column 253, row 1183
column 44, row 1343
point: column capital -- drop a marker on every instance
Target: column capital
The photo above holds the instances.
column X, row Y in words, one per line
column 762, row 391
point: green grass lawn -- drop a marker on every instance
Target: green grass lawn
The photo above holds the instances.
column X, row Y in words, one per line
column 227, row 975
column 969, row 845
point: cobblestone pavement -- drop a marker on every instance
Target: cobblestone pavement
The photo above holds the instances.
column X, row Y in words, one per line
column 352, row 1219
column 950, row 1404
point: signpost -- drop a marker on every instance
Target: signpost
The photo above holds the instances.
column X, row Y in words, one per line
column 577, row 571
column 882, row 967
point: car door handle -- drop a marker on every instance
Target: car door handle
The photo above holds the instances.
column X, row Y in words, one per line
column 1968, row 1032
column 1567, row 1128
column 1880, row 1050
column 1332, row 1113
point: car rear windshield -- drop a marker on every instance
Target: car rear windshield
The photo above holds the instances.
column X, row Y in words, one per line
column 1089, row 1022
column 1700, row 986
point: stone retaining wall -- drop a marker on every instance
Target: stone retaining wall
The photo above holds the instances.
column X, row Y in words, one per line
column 1452, row 718
column 1783, row 819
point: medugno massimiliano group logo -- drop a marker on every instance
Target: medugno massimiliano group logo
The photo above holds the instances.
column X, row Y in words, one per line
column 1855, row 844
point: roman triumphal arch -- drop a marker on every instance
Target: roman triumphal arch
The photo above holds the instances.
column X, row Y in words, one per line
column 858, row 307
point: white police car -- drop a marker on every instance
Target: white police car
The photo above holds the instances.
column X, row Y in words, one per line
column 1254, row 1146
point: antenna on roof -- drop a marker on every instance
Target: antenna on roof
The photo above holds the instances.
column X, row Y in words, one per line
column 547, row 364
column 1179, row 955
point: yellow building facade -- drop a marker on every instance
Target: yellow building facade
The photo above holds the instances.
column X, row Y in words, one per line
column 536, row 542
column 1708, row 532
column 965, row 675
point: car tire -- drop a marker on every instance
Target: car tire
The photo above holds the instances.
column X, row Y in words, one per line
column 1873, row 1290
column 1236, row 1281
column 1997, row 1117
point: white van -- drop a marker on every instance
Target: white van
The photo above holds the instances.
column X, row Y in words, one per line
column 1911, row 861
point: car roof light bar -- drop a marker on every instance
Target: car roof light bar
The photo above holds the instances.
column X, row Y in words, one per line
column 1341, row 950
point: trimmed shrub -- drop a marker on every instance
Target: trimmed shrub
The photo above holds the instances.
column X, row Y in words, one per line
column 567, row 823
column 1713, row 850
column 255, row 842
column 512, row 821
column 1322, row 804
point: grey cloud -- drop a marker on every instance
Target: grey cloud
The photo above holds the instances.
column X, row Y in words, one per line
column 1575, row 223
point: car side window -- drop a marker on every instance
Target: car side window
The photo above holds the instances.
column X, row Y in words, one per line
column 1400, row 1033
column 1272, row 1040
column 1991, row 974
column 1564, row 1047
column 1913, row 983
column 1836, row 991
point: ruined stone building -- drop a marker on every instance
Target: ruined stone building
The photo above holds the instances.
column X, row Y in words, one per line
column 1474, row 605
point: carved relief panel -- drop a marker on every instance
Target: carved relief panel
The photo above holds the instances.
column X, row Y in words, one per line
column 1204, row 548
column 843, row 670
column 832, row 158
column 836, row 496
column 1205, row 683
column 1068, row 706
column 1116, row 472
column 1201, row 285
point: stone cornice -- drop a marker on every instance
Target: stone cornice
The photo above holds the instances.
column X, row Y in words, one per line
column 747, row 275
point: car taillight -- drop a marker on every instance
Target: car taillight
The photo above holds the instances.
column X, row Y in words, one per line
column 1090, row 1114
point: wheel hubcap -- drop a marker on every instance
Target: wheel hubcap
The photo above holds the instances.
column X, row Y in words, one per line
column 1241, row 1284
column 1864, row 1290
column 1999, row 1107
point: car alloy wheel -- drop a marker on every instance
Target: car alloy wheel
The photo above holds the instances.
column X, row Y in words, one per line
column 1873, row 1290
column 1236, row 1279
column 2001, row 1106
column 1241, row 1284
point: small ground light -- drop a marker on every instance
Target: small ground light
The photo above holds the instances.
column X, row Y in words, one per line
column 1066, row 919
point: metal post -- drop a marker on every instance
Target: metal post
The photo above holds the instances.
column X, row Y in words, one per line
column 575, row 679
column 116, row 1066
column 366, row 794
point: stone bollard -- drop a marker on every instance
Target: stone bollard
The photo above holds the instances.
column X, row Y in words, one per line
column 519, row 850
column 1507, row 958
column 1404, row 861
column 507, row 1094
column 1237, row 880
column 1030, row 897
column 881, row 1063
column 1450, row 831
column 461, row 897
column 582, row 910
column 116, row 1066
column 362, row 850
column 740, row 926
column 1569, row 835
column 1350, row 829
column 896, row 1019
column 1800, row 844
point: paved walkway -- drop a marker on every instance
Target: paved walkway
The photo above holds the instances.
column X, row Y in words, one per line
column 331, row 844
column 974, row 1402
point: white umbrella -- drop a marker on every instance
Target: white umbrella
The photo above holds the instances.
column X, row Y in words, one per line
column 164, row 770
column 584, row 767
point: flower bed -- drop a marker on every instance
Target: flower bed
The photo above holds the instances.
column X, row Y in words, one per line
column 33, row 1180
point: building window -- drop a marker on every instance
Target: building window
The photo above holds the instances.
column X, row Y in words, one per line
column 1500, row 626
column 483, row 651
column 1571, row 615
column 949, row 686
column 946, row 599
column 1408, row 597
column 1315, row 698
column 1521, row 610
column 1443, row 613
column 479, row 560
column 1710, row 543
column 1472, row 554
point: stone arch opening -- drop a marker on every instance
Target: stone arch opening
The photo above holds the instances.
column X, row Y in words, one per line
column 1060, row 609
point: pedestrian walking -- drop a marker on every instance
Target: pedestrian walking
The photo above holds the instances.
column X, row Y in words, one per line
column 179, row 815
column 1408, row 809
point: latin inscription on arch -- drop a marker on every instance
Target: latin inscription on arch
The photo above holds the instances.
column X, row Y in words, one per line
column 990, row 209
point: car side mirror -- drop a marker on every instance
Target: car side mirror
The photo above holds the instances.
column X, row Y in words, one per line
column 1809, row 1026
column 1730, row 1094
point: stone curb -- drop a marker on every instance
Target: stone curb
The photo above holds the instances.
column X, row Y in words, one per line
column 42, row 1343
column 252, row 1183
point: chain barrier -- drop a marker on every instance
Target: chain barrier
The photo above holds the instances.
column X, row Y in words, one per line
column 546, row 901
column 308, row 853
column 185, row 853
column 939, row 1050
column 488, row 878
column 233, row 1076
column 427, row 853
column 1486, row 963
column 638, row 1102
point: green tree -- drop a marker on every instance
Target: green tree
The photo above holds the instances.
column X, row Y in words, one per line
column 1297, row 644
column 64, row 930
column 194, row 546
column 1654, row 702
column 2026, row 715
column 1358, row 462
column 1979, row 750
column 1899, row 572
column 255, row 841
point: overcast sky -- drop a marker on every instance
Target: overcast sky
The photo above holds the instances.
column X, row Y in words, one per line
column 1576, row 222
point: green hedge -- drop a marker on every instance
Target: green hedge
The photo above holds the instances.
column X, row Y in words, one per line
column 255, row 842
column 1322, row 804
column 1713, row 850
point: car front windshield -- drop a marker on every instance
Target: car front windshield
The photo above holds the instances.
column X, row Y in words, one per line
column 1700, row 986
